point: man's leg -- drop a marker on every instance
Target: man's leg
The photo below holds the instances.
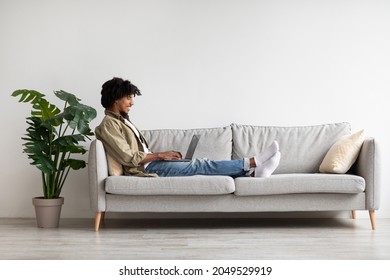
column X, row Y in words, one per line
column 233, row 168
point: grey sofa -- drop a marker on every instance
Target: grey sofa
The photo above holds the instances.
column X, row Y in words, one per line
column 296, row 185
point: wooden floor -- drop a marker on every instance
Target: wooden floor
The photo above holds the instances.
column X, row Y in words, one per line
column 185, row 239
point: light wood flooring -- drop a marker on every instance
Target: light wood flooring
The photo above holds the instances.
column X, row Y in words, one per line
column 185, row 239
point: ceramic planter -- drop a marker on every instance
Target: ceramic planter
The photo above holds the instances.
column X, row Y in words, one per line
column 48, row 211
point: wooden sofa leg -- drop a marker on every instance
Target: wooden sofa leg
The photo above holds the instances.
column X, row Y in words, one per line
column 98, row 218
column 354, row 214
column 372, row 218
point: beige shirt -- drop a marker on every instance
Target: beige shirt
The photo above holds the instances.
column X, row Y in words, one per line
column 122, row 144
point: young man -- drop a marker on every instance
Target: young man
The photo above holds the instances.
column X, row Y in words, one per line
column 125, row 143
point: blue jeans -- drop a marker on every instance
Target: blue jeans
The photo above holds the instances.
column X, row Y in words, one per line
column 233, row 168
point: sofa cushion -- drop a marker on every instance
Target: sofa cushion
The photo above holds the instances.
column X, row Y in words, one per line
column 343, row 154
column 299, row 183
column 193, row 185
column 302, row 147
column 214, row 143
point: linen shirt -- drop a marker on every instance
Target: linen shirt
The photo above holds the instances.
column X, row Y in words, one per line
column 121, row 143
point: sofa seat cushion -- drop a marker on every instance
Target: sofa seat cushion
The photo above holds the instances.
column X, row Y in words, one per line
column 300, row 183
column 194, row 185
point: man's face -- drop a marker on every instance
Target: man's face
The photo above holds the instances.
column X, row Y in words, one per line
column 124, row 104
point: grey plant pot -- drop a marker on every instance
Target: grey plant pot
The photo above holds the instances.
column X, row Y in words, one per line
column 48, row 211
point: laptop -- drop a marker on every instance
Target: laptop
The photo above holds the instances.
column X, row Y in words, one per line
column 190, row 151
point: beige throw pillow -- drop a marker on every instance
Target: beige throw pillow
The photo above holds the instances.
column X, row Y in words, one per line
column 343, row 154
column 114, row 167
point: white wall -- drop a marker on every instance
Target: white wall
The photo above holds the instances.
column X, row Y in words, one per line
column 245, row 61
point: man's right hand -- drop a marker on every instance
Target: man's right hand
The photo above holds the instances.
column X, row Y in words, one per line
column 170, row 155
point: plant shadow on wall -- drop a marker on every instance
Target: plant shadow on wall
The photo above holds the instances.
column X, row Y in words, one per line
column 53, row 137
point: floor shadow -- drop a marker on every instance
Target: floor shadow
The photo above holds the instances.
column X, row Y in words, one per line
column 217, row 223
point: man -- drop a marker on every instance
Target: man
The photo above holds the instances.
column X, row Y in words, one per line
column 125, row 143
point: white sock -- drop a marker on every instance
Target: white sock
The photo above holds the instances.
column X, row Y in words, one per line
column 268, row 167
column 267, row 153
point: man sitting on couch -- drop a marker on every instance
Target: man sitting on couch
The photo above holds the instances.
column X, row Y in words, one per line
column 125, row 143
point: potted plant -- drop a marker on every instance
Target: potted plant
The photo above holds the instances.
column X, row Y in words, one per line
column 53, row 137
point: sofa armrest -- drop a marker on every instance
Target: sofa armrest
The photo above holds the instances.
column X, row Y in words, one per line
column 97, row 173
column 367, row 166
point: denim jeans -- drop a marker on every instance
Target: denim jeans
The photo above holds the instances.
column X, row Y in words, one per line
column 233, row 168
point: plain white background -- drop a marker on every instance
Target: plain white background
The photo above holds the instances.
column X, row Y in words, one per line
column 198, row 63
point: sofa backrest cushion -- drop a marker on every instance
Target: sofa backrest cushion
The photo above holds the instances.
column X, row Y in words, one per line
column 214, row 143
column 302, row 147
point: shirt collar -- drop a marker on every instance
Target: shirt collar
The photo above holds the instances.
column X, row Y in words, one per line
column 114, row 115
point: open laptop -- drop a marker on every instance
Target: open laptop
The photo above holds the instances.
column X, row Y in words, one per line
column 191, row 149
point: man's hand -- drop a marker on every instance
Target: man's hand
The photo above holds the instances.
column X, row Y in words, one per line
column 170, row 155
column 162, row 156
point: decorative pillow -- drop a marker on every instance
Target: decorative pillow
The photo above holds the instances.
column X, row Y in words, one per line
column 343, row 153
column 114, row 167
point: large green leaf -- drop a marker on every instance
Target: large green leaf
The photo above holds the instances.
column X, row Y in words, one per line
column 69, row 98
column 31, row 96
column 41, row 107
column 75, row 164
column 69, row 144
column 37, row 145
column 79, row 117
